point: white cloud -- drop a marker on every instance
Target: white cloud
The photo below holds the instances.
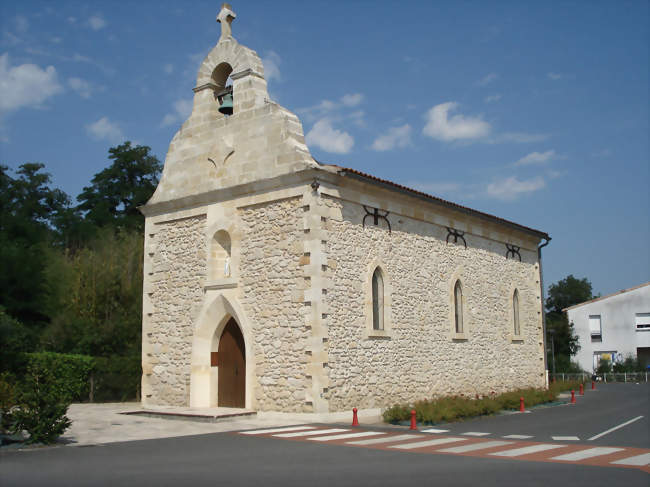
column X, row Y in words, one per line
column 536, row 158
column 458, row 127
column 81, row 86
column 182, row 111
column 72, row 20
column 26, row 85
column 395, row 137
column 511, row 188
column 96, row 22
column 56, row 40
column 352, row 100
column 328, row 138
column 554, row 76
column 168, row 68
column 327, row 106
column 104, row 129
column 487, row 79
column 271, row 64
column 492, row 98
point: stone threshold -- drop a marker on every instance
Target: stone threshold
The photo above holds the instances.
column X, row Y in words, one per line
column 208, row 415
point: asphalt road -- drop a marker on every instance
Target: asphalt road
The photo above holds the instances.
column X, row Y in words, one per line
column 231, row 459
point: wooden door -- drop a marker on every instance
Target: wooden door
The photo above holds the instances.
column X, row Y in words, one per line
column 232, row 367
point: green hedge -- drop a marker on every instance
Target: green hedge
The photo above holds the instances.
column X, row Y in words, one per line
column 70, row 373
column 117, row 378
column 455, row 408
column 114, row 378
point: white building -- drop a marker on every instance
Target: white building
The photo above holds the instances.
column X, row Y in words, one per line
column 613, row 327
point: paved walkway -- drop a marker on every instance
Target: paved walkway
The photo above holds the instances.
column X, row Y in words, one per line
column 103, row 423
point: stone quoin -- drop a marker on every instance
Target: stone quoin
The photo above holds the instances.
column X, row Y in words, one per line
column 346, row 290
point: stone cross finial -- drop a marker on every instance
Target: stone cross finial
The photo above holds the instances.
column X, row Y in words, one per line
column 225, row 18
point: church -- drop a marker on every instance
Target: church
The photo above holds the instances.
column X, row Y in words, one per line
column 276, row 283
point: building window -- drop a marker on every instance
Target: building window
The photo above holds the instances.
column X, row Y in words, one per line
column 220, row 265
column 458, row 307
column 515, row 313
column 377, row 300
column 595, row 328
column 642, row 321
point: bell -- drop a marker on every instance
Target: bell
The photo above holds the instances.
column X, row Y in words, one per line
column 226, row 104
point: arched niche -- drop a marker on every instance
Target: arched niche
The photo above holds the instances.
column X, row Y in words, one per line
column 220, row 257
column 220, row 74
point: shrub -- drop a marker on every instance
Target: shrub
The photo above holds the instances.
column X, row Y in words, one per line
column 70, row 373
column 42, row 405
column 117, row 378
column 7, row 401
column 455, row 408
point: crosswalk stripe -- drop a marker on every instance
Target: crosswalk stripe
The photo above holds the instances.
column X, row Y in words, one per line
column 310, row 433
column 517, row 437
column 565, row 438
column 526, row 450
column 422, row 444
column 475, row 433
column 637, row 460
column 588, row 453
column 346, row 435
column 475, row 446
column 278, row 430
column 433, row 430
column 376, row 441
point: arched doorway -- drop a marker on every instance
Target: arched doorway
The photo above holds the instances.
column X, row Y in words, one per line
column 232, row 367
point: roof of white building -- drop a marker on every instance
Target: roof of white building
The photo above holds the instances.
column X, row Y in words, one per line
column 623, row 291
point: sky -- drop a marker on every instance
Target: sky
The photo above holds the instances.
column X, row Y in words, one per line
column 536, row 112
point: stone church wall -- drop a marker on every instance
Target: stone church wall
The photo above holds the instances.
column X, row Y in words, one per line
column 271, row 295
column 419, row 357
column 178, row 270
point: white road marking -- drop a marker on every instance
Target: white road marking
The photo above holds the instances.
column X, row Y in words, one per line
column 475, row 446
column 475, row 433
column 375, row 441
column 518, row 437
column 433, row 430
column 526, row 450
column 346, row 435
column 588, row 453
column 422, row 444
column 637, row 460
column 311, row 433
column 278, row 430
column 615, row 428
column 565, row 438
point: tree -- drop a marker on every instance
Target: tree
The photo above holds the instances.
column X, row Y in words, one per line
column 28, row 207
column 117, row 191
column 561, row 295
column 567, row 292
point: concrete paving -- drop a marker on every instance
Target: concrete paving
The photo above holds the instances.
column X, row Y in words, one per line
column 94, row 424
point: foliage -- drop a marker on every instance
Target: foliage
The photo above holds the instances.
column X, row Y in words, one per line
column 8, row 398
column 116, row 192
column 71, row 372
column 630, row 364
column 567, row 292
column 117, row 378
column 42, row 405
column 28, row 207
column 14, row 340
column 458, row 408
column 95, row 297
column 564, row 364
column 604, row 367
